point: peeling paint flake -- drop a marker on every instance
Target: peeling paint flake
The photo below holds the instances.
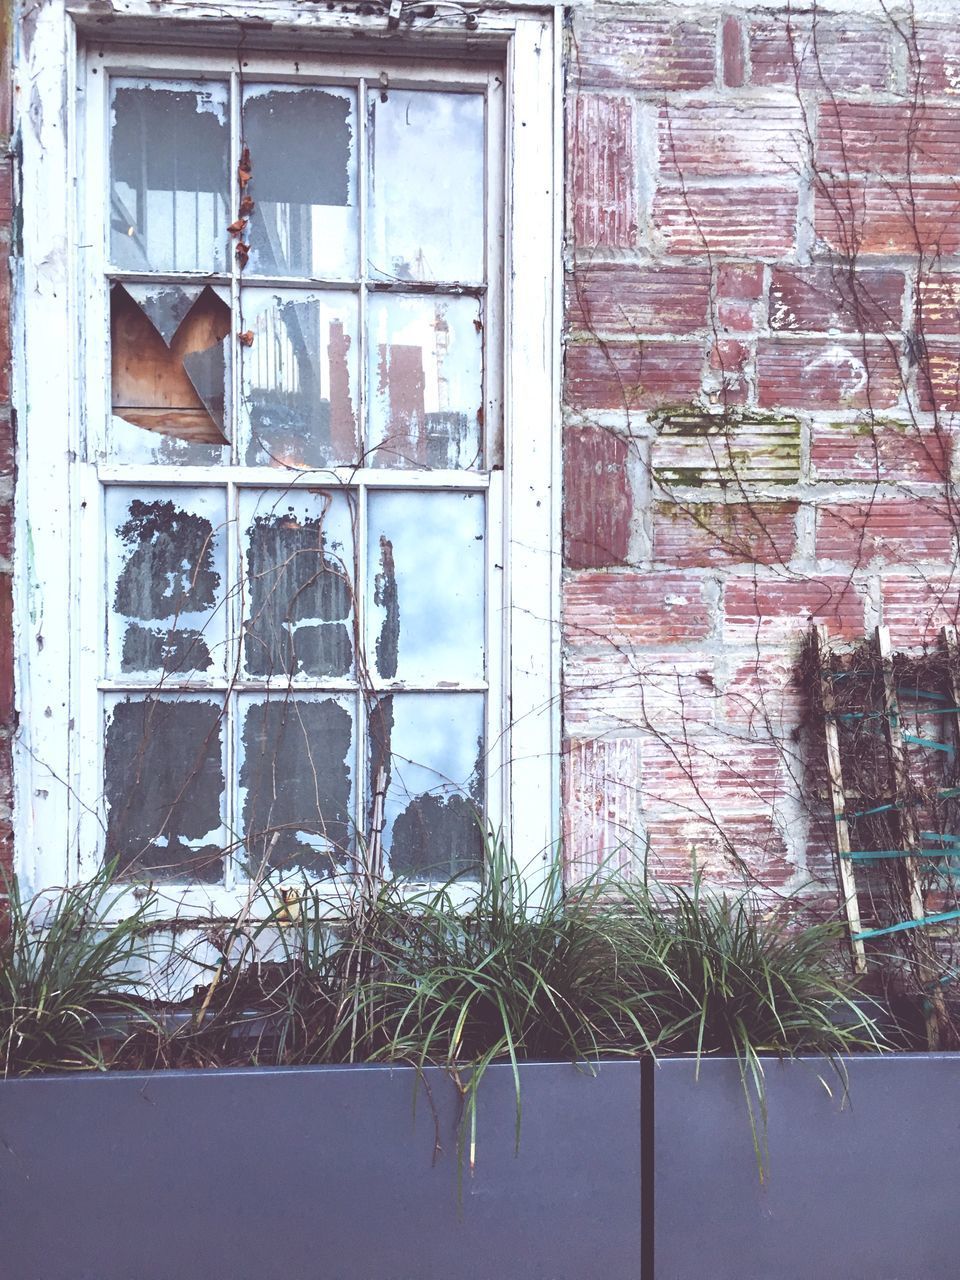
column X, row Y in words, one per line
column 299, row 562
column 425, row 381
column 303, row 163
column 169, row 150
column 163, row 786
column 300, row 378
column 427, row 750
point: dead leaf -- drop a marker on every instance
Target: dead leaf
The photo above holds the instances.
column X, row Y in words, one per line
column 237, row 228
column 246, row 339
column 247, row 206
column 243, row 253
column 244, row 168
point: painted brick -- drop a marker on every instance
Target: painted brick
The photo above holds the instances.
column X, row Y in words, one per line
column 601, row 812
column 7, row 697
column 7, row 443
column 880, row 450
column 757, row 221
column 6, row 192
column 887, row 216
column 894, row 530
column 916, row 605
column 764, row 695
column 634, row 609
column 718, row 139
column 621, row 691
column 734, row 70
column 627, row 298
column 742, row 775
column 777, row 611
column 938, row 378
column 597, row 499
column 825, row 298
column 719, row 848
column 717, row 533
column 602, row 172
column 939, row 303
column 636, row 375
column 888, row 138
column 731, row 450
column 939, row 50
column 730, row 362
column 830, row 54
column 855, row 374
column 644, row 53
column 739, row 291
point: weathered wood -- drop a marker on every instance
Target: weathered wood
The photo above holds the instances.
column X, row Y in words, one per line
column 841, row 829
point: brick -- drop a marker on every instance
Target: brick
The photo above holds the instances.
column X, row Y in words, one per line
column 938, row 378
column 634, row 609
column 601, row 811
column 764, row 695
column 636, row 375
column 891, row 138
column 835, row 55
column 881, row 450
column 777, row 611
column 730, row 362
column 886, row 216
column 728, row 139
column 718, row 533
column 7, row 443
column 621, row 690
column 7, row 695
column 644, row 53
column 724, row 850
column 730, row 450
column 739, row 291
column 734, row 71
column 626, row 298
column 811, row 374
column 939, row 51
column 938, row 308
column 756, row 221
column 602, row 172
column 916, row 605
column 835, row 297
column 597, row 498
column 892, row 530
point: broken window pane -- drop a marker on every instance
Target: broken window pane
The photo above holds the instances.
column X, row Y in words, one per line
column 425, row 578
column 169, row 151
column 163, row 784
column 166, row 572
column 299, row 597
column 425, row 381
column 427, row 778
column 296, row 784
column 302, row 145
column 426, row 187
column 300, row 378
column 169, row 373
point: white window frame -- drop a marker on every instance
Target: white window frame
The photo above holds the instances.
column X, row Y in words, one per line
column 57, row 757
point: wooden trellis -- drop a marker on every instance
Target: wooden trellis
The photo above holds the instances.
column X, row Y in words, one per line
column 897, row 802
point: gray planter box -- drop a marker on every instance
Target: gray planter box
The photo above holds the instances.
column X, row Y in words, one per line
column 323, row 1173
column 866, row 1191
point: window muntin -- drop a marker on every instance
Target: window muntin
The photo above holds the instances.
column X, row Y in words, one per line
column 305, row 643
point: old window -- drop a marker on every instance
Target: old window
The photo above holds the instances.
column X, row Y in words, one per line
column 292, row 572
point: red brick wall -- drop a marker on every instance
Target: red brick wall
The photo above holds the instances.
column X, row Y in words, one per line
column 762, row 372
column 7, row 709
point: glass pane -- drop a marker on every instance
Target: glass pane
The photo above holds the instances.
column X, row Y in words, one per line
column 170, row 373
column 299, row 597
column 169, row 157
column 163, row 784
column 303, row 160
column 427, row 775
column 426, row 188
column 425, row 381
column 425, row 577
column 300, row 379
column 166, row 574
column 296, row 784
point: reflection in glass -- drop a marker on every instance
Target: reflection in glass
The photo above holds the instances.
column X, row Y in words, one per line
column 426, row 188
column 163, row 786
column 299, row 592
column 300, row 379
column 169, row 150
column 425, row 381
column 427, row 779
column 296, row 784
column 425, row 578
column 302, row 145
column 166, row 570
